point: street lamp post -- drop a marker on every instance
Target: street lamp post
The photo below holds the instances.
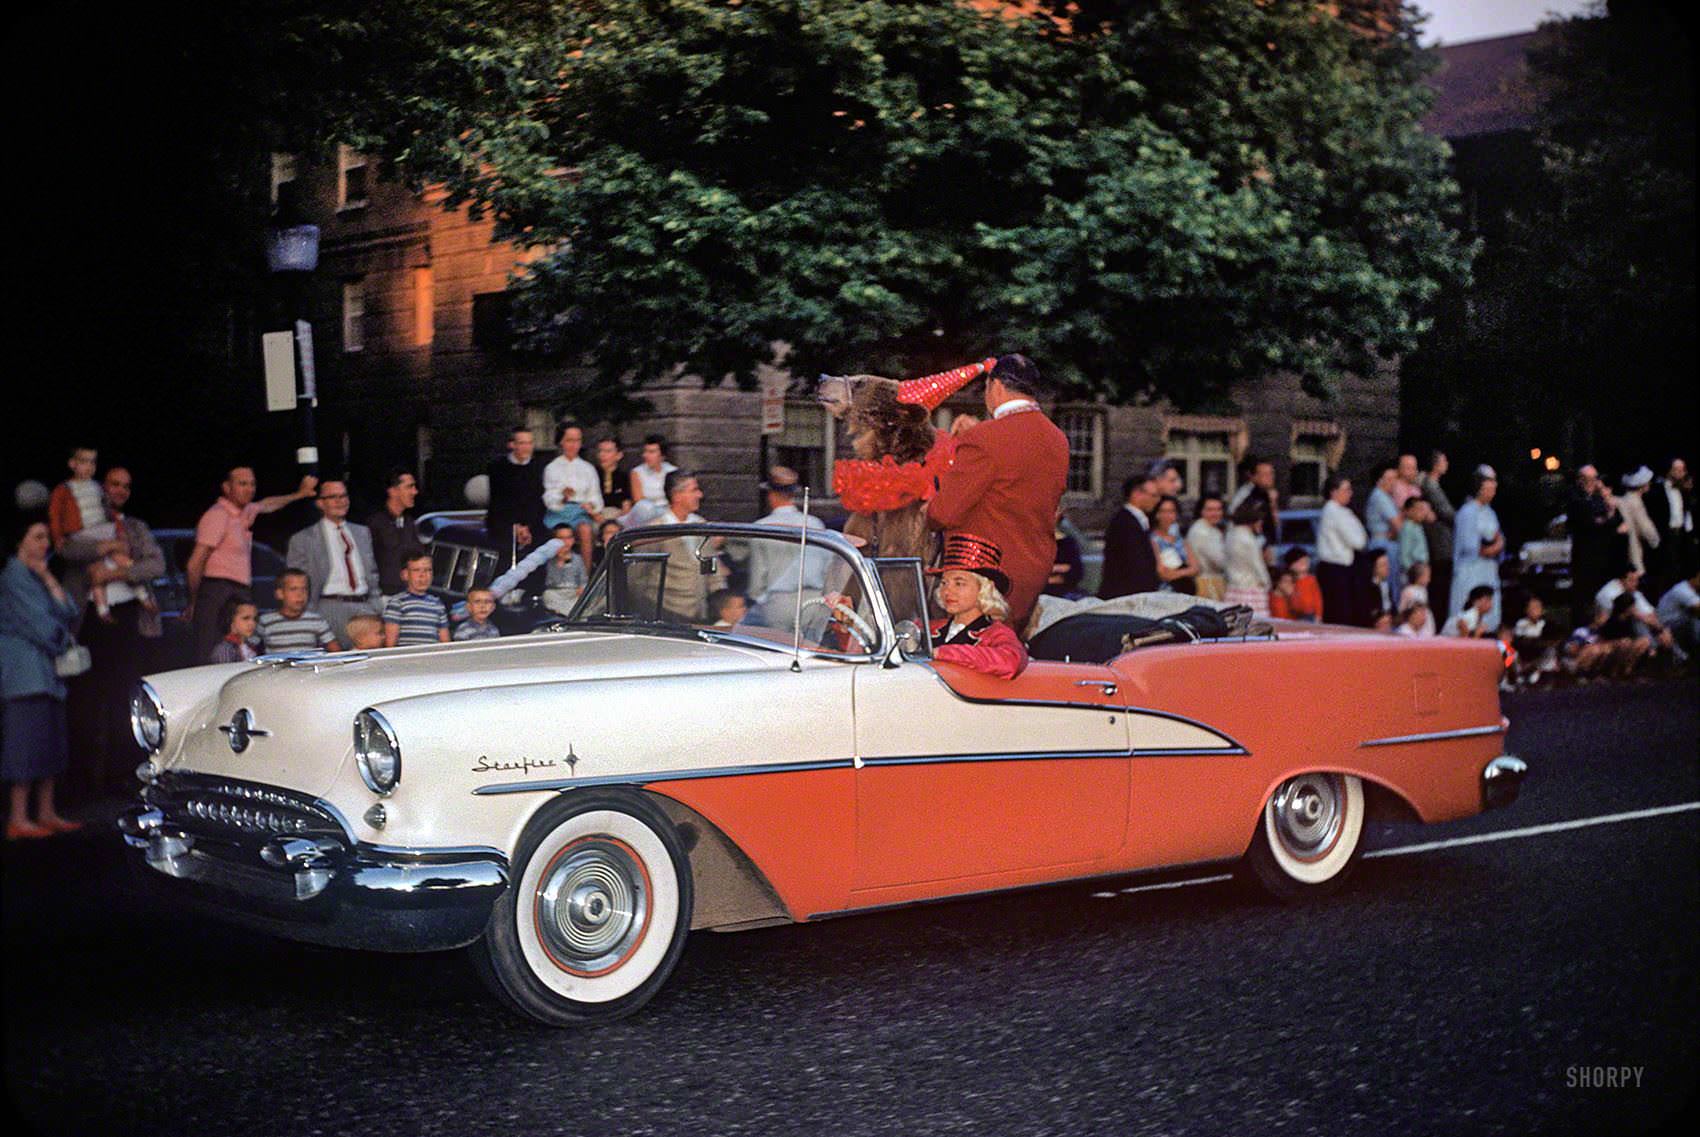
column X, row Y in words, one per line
column 292, row 255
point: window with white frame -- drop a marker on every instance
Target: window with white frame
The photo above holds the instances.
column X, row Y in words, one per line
column 1084, row 429
column 351, row 176
column 1309, row 468
column 285, row 169
column 354, row 315
column 1204, row 459
column 808, row 444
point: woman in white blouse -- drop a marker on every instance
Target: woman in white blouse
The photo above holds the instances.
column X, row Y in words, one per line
column 649, row 481
column 1339, row 536
column 1247, row 574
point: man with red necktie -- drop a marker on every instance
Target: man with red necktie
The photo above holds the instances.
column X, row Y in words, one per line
column 336, row 554
column 1009, row 474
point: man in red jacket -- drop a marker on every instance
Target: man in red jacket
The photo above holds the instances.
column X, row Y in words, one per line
column 1009, row 475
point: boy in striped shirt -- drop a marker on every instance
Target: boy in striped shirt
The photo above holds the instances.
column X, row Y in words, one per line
column 292, row 627
column 415, row 616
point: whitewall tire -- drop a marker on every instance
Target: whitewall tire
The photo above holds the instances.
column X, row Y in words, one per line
column 597, row 913
column 1309, row 836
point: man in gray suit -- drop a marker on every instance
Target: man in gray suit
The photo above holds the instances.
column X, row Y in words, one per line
column 336, row 554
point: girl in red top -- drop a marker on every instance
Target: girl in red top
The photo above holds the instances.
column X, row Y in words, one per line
column 1306, row 601
column 971, row 585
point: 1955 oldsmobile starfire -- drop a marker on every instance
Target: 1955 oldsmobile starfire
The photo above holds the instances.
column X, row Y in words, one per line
column 571, row 804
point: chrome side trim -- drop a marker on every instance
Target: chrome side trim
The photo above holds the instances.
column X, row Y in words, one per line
column 643, row 779
column 1235, row 751
column 1233, row 746
column 1436, row 736
column 1033, row 756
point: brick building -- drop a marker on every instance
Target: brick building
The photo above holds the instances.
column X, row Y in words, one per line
column 410, row 320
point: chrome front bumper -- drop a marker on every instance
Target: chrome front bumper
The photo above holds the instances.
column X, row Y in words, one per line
column 320, row 887
column 1501, row 779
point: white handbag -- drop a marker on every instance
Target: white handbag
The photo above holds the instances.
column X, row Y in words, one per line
column 73, row 661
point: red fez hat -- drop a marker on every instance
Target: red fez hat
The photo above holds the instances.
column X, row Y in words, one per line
column 931, row 391
column 964, row 552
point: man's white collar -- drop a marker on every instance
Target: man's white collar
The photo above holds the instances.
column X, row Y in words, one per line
column 1014, row 406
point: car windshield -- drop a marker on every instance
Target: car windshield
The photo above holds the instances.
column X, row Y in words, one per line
column 765, row 589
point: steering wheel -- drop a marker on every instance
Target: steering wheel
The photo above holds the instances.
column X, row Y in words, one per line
column 848, row 619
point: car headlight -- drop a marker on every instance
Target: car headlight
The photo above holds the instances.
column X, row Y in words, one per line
column 376, row 751
column 147, row 718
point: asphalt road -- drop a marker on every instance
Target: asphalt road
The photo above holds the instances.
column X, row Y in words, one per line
column 1477, row 988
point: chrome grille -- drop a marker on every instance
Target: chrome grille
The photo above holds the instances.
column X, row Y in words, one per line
column 238, row 811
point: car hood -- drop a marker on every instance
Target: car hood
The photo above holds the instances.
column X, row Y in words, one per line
column 306, row 706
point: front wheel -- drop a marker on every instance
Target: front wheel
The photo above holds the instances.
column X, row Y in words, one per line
column 597, row 914
column 1309, row 837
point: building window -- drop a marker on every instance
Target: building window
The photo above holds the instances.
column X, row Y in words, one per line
column 1318, row 446
column 491, row 330
column 353, row 315
column 284, row 172
column 1204, row 459
column 541, row 423
column 350, row 178
column 424, row 306
column 809, row 445
column 1084, row 429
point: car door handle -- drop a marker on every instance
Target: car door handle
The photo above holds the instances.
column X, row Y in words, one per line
column 1109, row 688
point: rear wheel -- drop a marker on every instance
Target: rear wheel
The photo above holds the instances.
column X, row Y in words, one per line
column 597, row 914
column 1309, row 837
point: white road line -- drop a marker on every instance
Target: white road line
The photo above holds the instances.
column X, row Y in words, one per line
column 1430, row 846
column 1175, row 884
column 1536, row 830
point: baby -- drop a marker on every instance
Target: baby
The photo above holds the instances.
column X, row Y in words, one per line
column 78, row 507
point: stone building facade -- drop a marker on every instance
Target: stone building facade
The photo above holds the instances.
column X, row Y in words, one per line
column 409, row 311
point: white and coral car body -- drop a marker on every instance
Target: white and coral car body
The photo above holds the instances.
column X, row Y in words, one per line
column 738, row 777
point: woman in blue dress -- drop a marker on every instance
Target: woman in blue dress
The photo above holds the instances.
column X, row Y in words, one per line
column 35, row 628
column 1478, row 542
column 1382, row 519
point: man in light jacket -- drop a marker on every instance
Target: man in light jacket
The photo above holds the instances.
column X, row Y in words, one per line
column 336, row 554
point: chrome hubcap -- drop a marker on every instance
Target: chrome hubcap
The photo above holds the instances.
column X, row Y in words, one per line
column 1307, row 811
column 592, row 906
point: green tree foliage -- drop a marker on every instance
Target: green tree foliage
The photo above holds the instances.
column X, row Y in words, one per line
column 1162, row 197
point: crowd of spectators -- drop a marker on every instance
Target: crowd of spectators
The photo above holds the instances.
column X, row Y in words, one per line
column 1416, row 564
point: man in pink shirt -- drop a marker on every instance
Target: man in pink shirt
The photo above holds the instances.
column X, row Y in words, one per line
column 220, row 565
column 1405, row 487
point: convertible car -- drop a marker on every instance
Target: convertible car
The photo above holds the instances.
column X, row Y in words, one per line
column 572, row 803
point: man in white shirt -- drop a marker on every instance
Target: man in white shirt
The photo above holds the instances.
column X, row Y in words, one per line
column 1643, row 616
column 773, row 577
column 1679, row 610
column 572, row 489
column 336, row 554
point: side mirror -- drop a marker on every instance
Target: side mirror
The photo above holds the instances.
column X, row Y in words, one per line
column 911, row 641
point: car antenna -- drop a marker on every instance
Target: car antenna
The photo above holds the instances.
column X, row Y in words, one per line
column 797, row 618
